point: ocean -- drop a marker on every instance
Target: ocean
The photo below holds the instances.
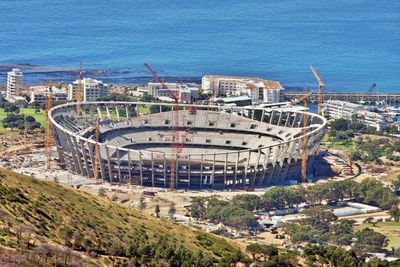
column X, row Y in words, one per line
column 352, row 44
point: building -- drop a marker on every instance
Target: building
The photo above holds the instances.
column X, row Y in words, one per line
column 38, row 94
column 223, row 147
column 15, row 84
column 341, row 109
column 92, row 90
column 186, row 91
column 259, row 90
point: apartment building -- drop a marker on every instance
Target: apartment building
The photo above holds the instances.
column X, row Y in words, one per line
column 39, row 94
column 259, row 90
column 15, row 85
column 91, row 89
column 185, row 91
column 341, row 109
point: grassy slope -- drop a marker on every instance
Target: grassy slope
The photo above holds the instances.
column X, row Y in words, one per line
column 47, row 206
column 40, row 117
column 389, row 229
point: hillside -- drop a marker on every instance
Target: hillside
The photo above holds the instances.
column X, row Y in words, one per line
column 44, row 222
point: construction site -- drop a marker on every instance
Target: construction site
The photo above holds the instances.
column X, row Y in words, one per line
column 176, row 145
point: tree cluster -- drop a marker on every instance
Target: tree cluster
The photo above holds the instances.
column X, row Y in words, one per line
column 372, row 150
column 322, row 226
column 217, row 210
column 19, row 121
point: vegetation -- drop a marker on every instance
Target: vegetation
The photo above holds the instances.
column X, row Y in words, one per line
column 217, row 210
column 38, row 115
column 49, row 223
column 318, row 255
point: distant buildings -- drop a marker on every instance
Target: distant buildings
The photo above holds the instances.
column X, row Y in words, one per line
column 341, row 109
column 186, row 92
column 91, row 90
column 15, row 85
column 259, row 90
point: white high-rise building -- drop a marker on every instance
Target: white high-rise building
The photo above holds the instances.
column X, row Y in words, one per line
column 91, row 90
column 15, row 84
column 259, row 90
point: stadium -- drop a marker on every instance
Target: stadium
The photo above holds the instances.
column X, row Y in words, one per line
column 220, row 146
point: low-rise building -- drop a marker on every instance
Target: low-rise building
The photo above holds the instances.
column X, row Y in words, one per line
column 186, row 91
column 259, row 90
column 341, row 109
column 91, row 89
column 39, row 94
column 15, row 84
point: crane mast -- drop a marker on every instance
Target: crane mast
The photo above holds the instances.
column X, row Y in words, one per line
column 321, row 87
column 48, row 141
column 96, row 163
column 304, row 141
column 176, row 147
column 79, row 92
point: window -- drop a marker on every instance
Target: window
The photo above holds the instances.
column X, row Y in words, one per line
column 253, row 126
column 166, row 122
column 211, row 123
column 244, row 143
column 149, row 139
column 189, row 123
column 233, row 125
column 208, row 141
column 145, row 122
column 228, row 142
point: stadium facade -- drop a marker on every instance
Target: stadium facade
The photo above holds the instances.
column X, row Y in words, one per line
column 222, row 147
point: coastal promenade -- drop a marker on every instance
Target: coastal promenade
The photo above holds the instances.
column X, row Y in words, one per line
column 389, row 98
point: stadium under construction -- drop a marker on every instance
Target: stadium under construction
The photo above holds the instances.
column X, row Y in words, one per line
column 220, row 146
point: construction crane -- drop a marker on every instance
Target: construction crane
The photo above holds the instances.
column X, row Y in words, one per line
column 305, row 100
column 321, row 87
column 79, row 92
column 96, row 163
column 176, row 146
column 25, row 136
column 48, row 140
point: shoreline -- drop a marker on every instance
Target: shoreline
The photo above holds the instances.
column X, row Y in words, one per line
column 39, row 75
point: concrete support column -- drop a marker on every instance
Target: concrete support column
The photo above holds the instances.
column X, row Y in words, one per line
column 140, row 167
column 152, row 169
column 119, row 165
column 117, row 112
column 108, row 112
column 109, row 163
column 129, row 166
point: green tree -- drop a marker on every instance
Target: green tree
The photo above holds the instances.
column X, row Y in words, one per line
column 142, row 203
column 367, row 240
column 395, row 213
column 171, row 210
column 157, row 210
column 102, row 192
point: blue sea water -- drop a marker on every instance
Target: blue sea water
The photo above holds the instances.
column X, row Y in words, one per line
column 352, row 43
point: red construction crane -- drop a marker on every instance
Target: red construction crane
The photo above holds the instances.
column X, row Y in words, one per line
column 176, row 145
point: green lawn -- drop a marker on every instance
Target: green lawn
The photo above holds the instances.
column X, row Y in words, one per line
column 144, row 109
column 390, row 229
column 40, row 117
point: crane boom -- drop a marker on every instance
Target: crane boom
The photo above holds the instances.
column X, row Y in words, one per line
column 321, row 86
